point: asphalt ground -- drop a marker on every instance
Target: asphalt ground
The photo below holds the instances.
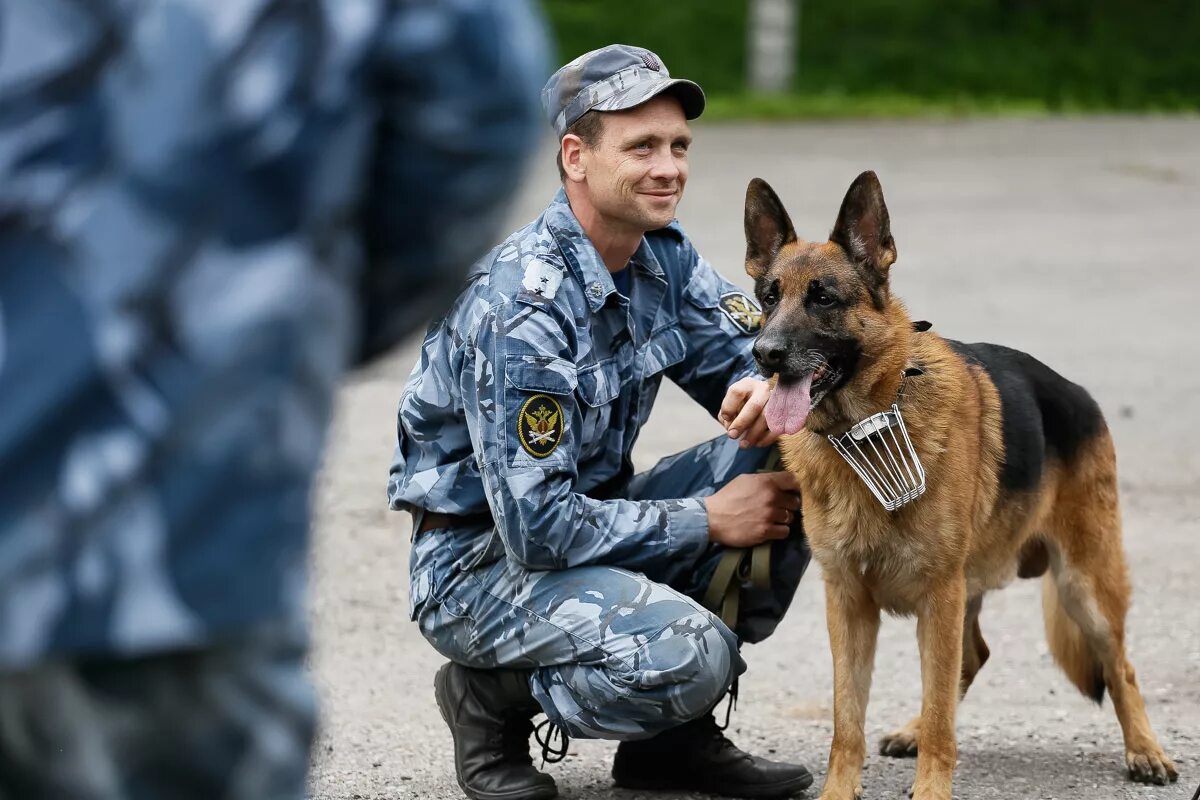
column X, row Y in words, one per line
column 1074, row 239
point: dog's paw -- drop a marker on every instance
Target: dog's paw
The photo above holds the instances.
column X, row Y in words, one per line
column 1151, row 765
column 931, row 789
column 901, row 743
column 831, row 792
column 928, row 794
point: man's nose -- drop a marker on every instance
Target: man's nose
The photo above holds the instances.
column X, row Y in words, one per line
column 770, row 353
column 665, row 167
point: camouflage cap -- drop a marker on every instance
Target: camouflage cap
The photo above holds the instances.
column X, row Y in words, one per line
column 611, row 79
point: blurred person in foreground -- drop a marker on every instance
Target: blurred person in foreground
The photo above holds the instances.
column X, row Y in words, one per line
column 207, row 212
column 553, row 577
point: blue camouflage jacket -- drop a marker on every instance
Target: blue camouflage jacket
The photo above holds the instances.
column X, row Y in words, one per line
column 207, row 211
column 530, row 393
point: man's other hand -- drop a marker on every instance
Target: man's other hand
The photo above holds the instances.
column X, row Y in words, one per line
column 752, row 509
column 742, row 413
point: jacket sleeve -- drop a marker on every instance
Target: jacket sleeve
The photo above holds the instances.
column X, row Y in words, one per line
column 719, row 322
column 518, row 388
column 456, row 84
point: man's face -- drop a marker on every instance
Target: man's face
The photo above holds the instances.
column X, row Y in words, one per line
column 636, row 172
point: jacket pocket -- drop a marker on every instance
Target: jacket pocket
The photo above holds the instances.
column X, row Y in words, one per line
column 599, row 388
column 664, row 350
column 533, row 373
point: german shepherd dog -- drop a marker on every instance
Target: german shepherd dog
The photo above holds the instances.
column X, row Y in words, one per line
column 1021, row 480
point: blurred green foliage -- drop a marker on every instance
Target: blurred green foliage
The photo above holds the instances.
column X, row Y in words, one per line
column 702, row 40
column 901, row 57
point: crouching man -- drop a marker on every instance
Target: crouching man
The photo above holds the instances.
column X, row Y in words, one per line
column 553, row 578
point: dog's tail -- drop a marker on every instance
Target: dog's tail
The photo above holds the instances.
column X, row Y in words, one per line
column 1068, row 644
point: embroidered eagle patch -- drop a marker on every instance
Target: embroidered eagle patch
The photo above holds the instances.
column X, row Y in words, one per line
column 540, row 425
column 742, row 311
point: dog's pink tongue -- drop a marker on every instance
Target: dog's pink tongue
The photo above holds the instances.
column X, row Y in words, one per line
column 788, row 406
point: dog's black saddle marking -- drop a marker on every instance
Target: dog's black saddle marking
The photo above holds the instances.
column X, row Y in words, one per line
column 1044, row 414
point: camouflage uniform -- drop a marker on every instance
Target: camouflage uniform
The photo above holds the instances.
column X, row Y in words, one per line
column 208, row 210
column 521, row 417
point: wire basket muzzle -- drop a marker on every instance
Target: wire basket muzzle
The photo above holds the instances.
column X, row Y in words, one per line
column 879, row 451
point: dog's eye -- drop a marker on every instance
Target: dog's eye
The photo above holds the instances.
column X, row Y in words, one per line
column 771, row 297
column 818, row 296
column 823, row 299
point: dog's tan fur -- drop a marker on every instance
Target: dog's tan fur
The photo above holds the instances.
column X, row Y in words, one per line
column 936, row 557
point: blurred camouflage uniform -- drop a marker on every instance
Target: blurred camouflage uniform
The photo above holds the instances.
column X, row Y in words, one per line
column 524, row 409
column 208, row 210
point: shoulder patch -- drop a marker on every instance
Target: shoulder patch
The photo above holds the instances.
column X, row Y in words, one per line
column 742, row 311
column 541, row 278
column 540, row 425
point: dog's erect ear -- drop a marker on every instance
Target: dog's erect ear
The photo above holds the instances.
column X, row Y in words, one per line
column 863, row 229
column 767, row 227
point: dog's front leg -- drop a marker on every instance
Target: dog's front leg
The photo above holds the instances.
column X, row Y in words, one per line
column 853, row 619
column 939, row 634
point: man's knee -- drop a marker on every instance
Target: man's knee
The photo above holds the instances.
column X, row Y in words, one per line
column 678, row 674
column 692, row 664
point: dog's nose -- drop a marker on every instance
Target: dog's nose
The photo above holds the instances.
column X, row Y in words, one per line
column 770, row 354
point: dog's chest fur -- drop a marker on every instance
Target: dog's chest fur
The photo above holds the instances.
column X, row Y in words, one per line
column 894, row 555
column 852, row 536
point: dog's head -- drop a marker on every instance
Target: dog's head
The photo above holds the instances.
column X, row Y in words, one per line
column 829, row 321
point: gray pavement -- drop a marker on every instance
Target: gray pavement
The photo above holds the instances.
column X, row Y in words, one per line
column 1077, row 240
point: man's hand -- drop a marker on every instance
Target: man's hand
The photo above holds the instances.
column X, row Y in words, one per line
column 752, row 509
column 742, row 413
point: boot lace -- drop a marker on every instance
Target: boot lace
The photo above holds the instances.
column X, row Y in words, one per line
column 716, row 731
column 545, row 734
column 732, row 695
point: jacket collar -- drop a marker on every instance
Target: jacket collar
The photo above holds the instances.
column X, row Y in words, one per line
column 582, row 257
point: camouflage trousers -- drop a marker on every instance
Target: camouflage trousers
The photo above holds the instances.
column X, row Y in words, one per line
column 614, row 654
column 232, row 722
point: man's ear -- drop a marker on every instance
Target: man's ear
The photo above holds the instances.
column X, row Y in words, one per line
column 863, row 229
column 768, row 227
column 570, row 151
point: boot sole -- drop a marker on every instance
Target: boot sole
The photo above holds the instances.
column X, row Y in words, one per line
column 443, row 702
column 758, row 792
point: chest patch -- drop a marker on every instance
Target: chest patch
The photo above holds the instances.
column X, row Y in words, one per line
column 540, row 425
column 742, row 311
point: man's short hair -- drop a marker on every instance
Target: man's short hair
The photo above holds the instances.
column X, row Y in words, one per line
column 589, row 128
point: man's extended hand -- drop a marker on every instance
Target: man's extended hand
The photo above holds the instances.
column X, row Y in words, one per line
column 751, row 509
column 742, row 413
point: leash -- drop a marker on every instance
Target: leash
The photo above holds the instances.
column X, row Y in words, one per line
column 739, row 565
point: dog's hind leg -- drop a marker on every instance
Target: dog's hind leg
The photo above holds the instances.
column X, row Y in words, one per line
column 902, row 742
column 1085, row 598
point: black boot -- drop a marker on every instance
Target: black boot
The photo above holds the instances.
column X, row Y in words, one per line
column 489, row 713
column 696, row 757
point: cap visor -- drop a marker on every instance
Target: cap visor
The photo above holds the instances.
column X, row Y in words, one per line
column 688, row 93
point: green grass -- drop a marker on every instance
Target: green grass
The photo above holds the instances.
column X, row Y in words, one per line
column 903, row 58
column 839, row 105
